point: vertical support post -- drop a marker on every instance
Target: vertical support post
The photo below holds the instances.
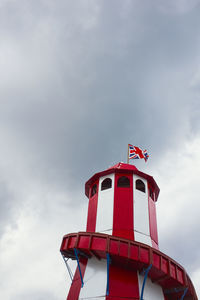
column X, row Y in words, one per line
column 108, row 263
column 76, row 254
column 144, row 281
column 185, row 291
column 68, row 268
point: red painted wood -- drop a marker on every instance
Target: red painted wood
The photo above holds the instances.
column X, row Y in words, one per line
column 84, row 242
column 99, row 244
column 132, row 256
column 173, row 270
column 144, row 255
column 123, row 250
column 134, row 252
column 76, row 284
column 156, row 260
column 123, row 209
column 122, row 168
column 114, row 247
column 71, row 242
column 154, row 245
column 165, row 265
column 180, row 275
column 92, row 212
column 127, row 256
column 153, row 221
column 123, row 283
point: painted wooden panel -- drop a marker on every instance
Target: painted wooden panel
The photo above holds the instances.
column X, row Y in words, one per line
column 142, row 238
column 92, row 212
column 153, row 221
column 95, row 280
column 123, row 209
column 152, row 291
column 123, row 284
column 76, row 284
column 105, row 205
column 141, row 213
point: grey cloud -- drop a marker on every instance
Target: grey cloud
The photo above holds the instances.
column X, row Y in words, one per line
column 7, row 203
column 181, row 240
column 82, row 79
column 95, row 90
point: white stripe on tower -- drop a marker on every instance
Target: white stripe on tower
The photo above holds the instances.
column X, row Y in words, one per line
column 141, row 213
column 105, row 206
column 95, row 280
column 152, row 291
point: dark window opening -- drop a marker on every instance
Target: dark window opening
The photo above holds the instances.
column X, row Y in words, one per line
column 140, row 185
column 123, row 182
column 106, row 184
column 94, row 190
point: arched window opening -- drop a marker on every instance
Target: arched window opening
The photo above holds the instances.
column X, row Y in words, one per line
column 140, row 185
column 106, row 184
column 94, row 190
column 123, row 182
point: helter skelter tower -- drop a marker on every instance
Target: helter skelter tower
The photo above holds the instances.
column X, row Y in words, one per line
column 118, row 256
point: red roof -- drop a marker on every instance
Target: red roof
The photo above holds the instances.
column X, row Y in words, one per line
column 122, row 168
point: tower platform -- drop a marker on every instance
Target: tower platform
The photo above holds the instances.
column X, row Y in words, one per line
column 133, row 256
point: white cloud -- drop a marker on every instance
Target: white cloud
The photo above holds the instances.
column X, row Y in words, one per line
column 178, row 205
column 29, row 253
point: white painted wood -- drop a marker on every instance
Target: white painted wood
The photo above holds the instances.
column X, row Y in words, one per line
column 152, row 291
column 145, row 239
column 105, row 206
column 95, row 280
column 141, row 213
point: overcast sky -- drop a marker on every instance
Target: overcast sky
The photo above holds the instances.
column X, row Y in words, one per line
column 79, row 80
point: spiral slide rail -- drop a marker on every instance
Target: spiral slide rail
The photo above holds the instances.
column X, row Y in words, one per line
column 166, row 272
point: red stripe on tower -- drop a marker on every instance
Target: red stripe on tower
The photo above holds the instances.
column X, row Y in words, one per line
column 76, row 284
column 123, row 206
column 123, row 284
column 92, row 207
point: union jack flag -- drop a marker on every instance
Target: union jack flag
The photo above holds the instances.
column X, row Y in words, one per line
column 136, row 153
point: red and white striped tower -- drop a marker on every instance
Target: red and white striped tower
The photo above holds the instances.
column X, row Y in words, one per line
column 118, row 255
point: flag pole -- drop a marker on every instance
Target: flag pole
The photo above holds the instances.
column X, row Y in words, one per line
column 128, row 155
